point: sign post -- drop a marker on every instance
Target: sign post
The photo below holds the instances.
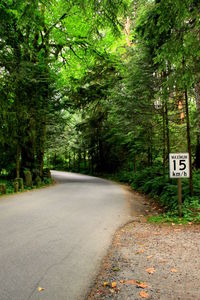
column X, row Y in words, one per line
column 179, row 198
column 179, row 168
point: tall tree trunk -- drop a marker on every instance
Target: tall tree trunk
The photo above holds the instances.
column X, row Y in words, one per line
column 164, row 141
column 165, row 109
column 197, row 98
column 167, row 129
column 41, row 148
column 189, row 141
column 18, row 161
column 28, row 156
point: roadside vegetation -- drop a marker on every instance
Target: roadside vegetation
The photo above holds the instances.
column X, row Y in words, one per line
column 9, row 185
column 103, row 87
column 151, row 182
column 44, row 47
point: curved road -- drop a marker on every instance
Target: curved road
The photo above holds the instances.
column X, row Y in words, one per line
column 55, row 237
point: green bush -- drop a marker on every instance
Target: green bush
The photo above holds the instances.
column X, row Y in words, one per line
column 150, row 181
column 10, row 188
column 154, row 186
column 9, row 185
column 169, row 197
column 191, row 209
column 125, row 176
column 196, row 183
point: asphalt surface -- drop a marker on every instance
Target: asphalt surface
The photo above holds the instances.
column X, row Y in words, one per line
column 55, row 238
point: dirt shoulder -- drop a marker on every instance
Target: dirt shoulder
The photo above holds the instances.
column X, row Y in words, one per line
column 149, row 261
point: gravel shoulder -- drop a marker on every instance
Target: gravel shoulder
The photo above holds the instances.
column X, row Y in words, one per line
column 149, row 261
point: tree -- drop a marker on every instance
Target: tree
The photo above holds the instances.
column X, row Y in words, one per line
column 170, row 30
column 35, row 37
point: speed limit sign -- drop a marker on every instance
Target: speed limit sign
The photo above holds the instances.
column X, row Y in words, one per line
column 179, row 165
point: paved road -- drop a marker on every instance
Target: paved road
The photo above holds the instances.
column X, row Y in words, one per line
column 55, row 237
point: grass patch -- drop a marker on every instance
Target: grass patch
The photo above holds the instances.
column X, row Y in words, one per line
column 161, row 219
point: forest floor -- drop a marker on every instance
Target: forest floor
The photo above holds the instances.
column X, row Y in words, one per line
column 150, row 261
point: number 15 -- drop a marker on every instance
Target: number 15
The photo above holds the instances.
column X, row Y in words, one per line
column 182, row 164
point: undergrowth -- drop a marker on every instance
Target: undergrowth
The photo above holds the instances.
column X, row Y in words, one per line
column 152, row 182
column 10, row 185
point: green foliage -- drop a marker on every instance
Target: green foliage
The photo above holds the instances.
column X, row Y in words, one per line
column 191, row 209
column 191, row 214
column 2, row 188
column 164, row 190
column 168, row 218
column 11, row 184
column 42, row 45
column 47, row 181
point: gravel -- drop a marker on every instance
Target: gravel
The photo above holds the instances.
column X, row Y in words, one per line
column 148, row 261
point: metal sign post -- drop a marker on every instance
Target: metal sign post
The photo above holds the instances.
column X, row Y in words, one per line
column 179, row 168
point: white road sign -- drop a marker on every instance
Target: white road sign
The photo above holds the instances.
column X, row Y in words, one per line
column 179, row 165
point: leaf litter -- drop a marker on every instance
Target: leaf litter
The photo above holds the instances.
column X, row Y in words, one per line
column 163, row 251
